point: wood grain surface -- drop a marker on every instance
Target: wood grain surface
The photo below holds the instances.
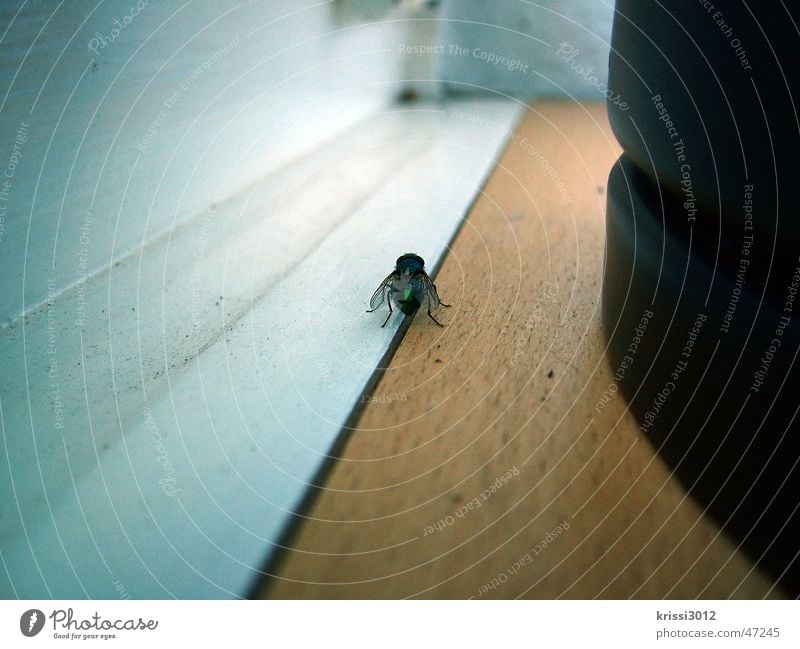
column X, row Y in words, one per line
column 484, row 465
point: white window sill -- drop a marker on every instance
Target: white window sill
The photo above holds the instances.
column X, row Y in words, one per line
column 214, row 369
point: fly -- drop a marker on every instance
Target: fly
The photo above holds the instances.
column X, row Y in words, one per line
column 408, row 287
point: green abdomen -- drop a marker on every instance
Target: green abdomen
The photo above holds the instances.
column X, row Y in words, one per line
column 409, row 304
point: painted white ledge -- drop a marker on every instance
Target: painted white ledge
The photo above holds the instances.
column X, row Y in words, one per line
column 212, row 372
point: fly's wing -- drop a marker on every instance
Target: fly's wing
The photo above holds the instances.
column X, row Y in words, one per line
column 430, row 289
column 379, row 295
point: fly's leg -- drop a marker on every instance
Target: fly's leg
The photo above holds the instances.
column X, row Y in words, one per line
column 388, row 316
column 437, row 296
column 430, row 315
column 428, row 300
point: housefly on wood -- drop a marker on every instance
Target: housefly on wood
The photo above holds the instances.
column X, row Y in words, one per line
column 408, row 287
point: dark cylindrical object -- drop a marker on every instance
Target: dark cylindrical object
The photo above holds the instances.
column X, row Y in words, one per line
column 711, row 109
column 701, row 293
column 717, row 396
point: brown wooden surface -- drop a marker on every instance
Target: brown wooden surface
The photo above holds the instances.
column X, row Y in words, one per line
column 512, row 384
